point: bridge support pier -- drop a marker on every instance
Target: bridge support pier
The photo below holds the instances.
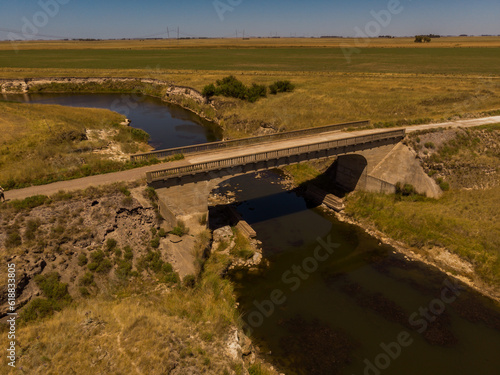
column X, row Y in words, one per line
column 187, row 202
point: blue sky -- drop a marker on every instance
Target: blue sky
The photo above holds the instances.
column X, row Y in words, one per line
column 148, row 18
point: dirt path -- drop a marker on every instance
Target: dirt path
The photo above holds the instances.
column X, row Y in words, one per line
column 140, row 173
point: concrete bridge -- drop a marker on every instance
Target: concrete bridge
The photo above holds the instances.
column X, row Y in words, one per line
column 183, row 189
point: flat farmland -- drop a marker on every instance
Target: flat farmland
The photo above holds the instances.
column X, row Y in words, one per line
column 389, row 81
column 456, row 61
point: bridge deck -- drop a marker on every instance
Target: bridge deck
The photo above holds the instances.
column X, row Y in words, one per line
column 278, row 149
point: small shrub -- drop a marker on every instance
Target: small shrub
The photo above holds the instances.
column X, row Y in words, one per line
column 209, row 91
column 38, row 308
column 445, row 186
column 163, row 270
column 244, row 253
column 87, row 280
column 104, row 267
column 429, row 145
column 203, row 219
column 405, row 190
column 281, row 86
column 124, row 269
column 125, row 191
column 189, row 281
column 231, row 87
column 256, row 92
column 92, row 266
column 111, row 243
column 99, row 262
column 162, row 233
column 51, row 287
column 129, row 254
column 155, row 242
column 13, row 239
column 82, row 260
column 97, row 256
column 180, row 230
column 29, row 203
column 150, row 193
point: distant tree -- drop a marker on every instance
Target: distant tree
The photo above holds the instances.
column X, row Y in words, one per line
column 231, row 87
column 209, row 91
column 422, row 39
column 255, row 92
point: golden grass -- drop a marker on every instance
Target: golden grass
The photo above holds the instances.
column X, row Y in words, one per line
column 322, row 98
column 37, row 141
column 446, row 42
column 146, row 329
column 463, row 221
column 328, row 99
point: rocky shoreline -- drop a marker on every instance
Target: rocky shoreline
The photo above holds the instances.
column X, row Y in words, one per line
column 171, row 95
column 446, row 262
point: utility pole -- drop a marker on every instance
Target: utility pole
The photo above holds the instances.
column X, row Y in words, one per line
column 178, row 32
column 168, row 33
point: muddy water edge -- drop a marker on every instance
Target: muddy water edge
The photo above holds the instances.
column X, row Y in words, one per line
column 334, row 300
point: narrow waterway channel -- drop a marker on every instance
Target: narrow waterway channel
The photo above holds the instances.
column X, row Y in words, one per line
column 335, row 301
column 168, row 125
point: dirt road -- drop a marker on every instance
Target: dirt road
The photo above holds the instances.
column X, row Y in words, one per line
column 140, row 173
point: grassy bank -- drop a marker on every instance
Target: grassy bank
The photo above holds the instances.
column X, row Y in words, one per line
column 465, row 162
column 464, row 222
column 113, row 295
column 47, row 143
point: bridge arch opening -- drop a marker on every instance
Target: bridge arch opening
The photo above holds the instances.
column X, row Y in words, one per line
column 349, row 172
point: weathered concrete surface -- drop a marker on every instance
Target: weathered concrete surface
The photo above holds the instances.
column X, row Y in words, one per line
column 402, row 165
column 188, row 202
column 354, row 171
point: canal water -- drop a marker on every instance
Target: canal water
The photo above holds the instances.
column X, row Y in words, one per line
column 334, row 300
column 169, row 125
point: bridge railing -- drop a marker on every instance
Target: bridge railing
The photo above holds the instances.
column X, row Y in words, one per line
column 161, row 154
column 268, row 155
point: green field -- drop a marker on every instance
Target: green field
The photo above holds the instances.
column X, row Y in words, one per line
column 390, row 81
column 480, row 61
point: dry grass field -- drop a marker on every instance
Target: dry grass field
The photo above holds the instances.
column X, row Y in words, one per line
column 445, row 42
column 145, row 327
column 46, row 143
column 390, row 81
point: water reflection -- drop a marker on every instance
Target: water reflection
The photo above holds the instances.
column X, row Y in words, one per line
column 169, row 125
column 363, row 310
